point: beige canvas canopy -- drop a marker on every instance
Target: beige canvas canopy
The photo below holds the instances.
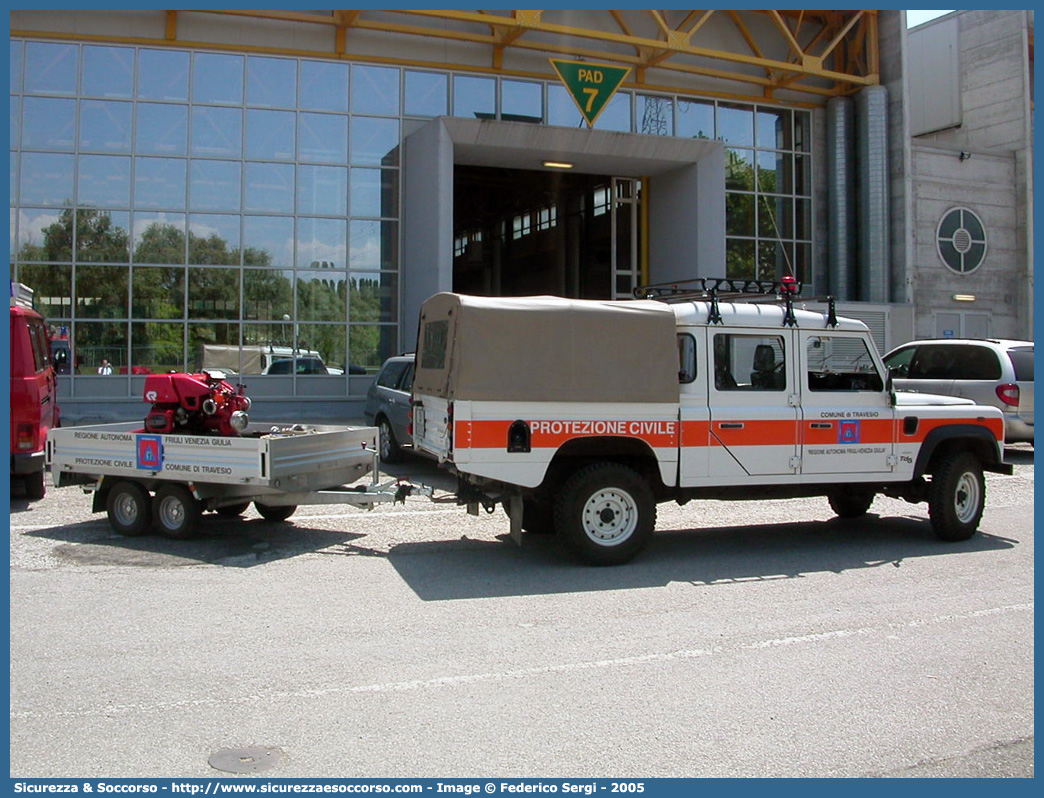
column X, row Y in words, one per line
column 546, row 349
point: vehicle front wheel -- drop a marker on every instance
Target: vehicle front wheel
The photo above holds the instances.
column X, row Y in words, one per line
column 851, row 503
column 129, row 508
column 605, row 514
column 275, row 512
column 177, row 512
column 956, row 497
column 390, row 450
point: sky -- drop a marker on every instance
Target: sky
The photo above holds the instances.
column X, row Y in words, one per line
column 917, row 17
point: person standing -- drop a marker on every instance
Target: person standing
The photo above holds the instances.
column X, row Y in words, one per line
column 105, row 368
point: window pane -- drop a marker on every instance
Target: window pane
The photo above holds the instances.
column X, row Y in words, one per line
column 163, row 75
column 369, row 345
column 16, row 66
column 94, row 341
column 271, row 82
column 48, row 124
column 268, row 241
column 158, row 292
column 375, row 192
column 157, row 347
column 774, row 172
column 162, row 129
column 159, row 182
column 268, row 295
column 215, row 185
column 655, row 115
column 474, row 97
column 375, row 90
column 50, row 68
column 617, row 114
column 44, row 234
column 736, row 125
column 103, row 236
column 15, row 104
column 213, row 293
column 521, row 101
column 775, row 217
column 105, row 126
column 321, row 295
column 323, row 138
column 802, row 131
column 322, row 189
column 214, row 239
column 373, row 246
column 225, row 334
column 104, row 181
column 739, row 214
column 774, row 129
column 217, row 132
column 327, row 340
column 270, row 135
column 269, row 187
column 425, row 94
column 321, row 243
column 107, row 72
column 561, row 109
column 46, row 179
column 159, row 238
column 374, row 297
column 739, row 170
column 695, row 120
column 739, row 258
column 52, row 287
column 375, row 141
column 324, row 86
column 775, row 259
column 101, row 292
column 217, row 79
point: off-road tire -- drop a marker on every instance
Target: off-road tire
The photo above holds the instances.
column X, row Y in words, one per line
column 956, row 496
column 177, row 512
column 129, row 508
column 605, row 514
column 275, row 512
column 851, row 503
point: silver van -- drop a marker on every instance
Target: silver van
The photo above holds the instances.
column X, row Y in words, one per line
column 990, row 372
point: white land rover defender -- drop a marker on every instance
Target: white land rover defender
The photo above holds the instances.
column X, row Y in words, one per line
column 580, row 416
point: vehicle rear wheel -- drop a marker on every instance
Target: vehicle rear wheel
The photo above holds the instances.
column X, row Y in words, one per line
column 956, row 497
column 35, row 489
column 605, row 514
column 129, row 508
column 232, row 510
column 390, row 450
column 271, row 512
column 177, row 512
column 851, row 503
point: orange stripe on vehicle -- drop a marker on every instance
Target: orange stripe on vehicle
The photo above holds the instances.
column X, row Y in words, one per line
column 551, row 434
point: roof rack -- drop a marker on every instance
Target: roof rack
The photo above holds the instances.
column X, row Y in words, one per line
column 22, row 295
column 715, row 289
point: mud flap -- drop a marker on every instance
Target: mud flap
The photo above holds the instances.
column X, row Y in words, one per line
column 513, row 505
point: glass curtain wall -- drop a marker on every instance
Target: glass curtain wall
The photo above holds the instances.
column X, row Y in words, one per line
column 168, row 205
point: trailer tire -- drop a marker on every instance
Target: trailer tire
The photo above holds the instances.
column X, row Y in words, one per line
column 232, row 510
column 129, row 508
column 956, row 497
column 177, row 512
column 605, row 514
column 271, row 512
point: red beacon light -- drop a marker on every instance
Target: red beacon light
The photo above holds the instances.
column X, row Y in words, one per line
column 790, row 285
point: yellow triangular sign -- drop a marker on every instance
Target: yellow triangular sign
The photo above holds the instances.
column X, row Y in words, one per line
column 590, row 85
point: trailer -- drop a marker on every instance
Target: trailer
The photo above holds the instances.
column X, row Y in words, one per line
column 141, row 478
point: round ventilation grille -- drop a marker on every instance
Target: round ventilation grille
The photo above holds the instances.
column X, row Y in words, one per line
column 961, row 240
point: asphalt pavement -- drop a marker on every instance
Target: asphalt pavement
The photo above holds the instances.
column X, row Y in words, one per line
column 749, row 640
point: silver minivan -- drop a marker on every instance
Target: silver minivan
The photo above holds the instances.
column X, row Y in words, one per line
column 388, row 407
column 990, row 372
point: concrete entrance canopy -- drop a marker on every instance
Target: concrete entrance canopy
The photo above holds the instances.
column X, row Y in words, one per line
column 686, row 199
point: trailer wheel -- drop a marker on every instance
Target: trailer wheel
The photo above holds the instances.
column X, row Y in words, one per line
column 271, row 512
column 232, row 510
column 851, row 503
column 956, row 497
column 177, row 512
column 129, row 508
column 605, row 514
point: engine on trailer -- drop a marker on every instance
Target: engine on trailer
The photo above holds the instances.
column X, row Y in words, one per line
column 195, row 404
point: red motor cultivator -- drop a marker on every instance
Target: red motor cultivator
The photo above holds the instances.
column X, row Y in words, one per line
column 195, row 404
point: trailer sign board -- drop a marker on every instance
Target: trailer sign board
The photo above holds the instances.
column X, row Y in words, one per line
column 590, row 85
column 150, row 452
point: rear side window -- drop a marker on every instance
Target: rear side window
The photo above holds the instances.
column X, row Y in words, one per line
column 1022, row 360
column 392, row 374
column 38, row 342
column 954, row 362
column 435, row 338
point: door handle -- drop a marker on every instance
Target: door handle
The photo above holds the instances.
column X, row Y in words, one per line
column 730, row 425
